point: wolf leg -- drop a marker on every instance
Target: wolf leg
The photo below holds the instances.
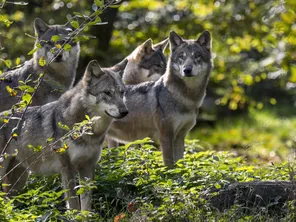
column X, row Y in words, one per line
column 4, row 163
column 179, row 142
column 68, row 182
column 112, row 143
column 87, row 172
column 166, row 144
column 179, row 147
column 17, row 177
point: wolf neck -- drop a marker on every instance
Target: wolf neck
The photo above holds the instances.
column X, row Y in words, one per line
column 75, row 108
column 58, row 74
column 190, row 91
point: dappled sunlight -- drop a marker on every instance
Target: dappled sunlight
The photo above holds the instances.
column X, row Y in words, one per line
column 262, row 136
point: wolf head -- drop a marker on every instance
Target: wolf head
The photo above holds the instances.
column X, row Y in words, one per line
column 190, row 58
column 104, row 91
column 146, row 63
column 49, row 48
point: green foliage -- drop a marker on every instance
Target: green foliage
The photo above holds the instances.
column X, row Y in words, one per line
column 260, row 136
column 132, row 183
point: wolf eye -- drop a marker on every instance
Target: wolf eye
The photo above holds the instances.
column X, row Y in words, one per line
column 158, row 65
column 197, row 58
column 181, row 56
column 107, row 93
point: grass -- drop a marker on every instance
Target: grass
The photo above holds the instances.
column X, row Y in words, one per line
column 261, row 136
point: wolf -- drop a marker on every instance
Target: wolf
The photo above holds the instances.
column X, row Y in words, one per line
column 58, row 76
column 165, row 110
column 146, row 63
column 100, row 95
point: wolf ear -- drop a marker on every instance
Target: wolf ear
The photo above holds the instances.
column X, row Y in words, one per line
column 40, row 27
column 146, row 47
column 205, row 40
column 119, row 67
column 93, row 69
column 175, row 40
column 161, row 45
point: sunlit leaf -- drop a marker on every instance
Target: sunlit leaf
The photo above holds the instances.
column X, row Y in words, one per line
column 74, row 24
column 17, row 61
column 41, row 61
column 55, row 38
column 67, row 47
column 32, row 51
column 27, row 98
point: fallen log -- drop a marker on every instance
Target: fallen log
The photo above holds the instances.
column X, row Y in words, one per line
column 272, row 195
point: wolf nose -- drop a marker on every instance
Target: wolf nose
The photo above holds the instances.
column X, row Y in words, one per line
column 187, row 70
column 59, row 57
column 123, row 113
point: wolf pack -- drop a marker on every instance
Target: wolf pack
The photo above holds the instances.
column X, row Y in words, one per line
column 144, row 95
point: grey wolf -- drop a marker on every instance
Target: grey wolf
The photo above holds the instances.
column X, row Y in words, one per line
column 166, row 110
column 58, row 76
column 100, row 96
column 146, row 63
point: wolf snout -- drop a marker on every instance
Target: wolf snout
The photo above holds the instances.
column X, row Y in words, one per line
column 123, row 113
column 59, row 58
column 187, row 70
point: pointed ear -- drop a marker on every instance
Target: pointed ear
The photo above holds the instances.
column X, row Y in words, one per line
column 205, row 40
column 146, row 47
column 119, row 67
column 93, row 69
column 40, row 27
column 175, row 40
column 161, row 45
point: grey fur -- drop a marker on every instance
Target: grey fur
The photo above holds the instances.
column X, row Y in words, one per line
column 146, row 63
column 59, row 75
column 100, row 96
column 166, row 110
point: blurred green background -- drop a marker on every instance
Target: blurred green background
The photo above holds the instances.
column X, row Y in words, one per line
column 251, row 102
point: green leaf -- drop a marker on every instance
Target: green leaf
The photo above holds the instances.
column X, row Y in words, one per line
column 55, row 38
column 114, row 6
column 33, row 51
column 49, row 139
column 62, row 126
column 18, row 61
column 74, row 24
column 80, row 191
column 97, row 20
column 67, row 47
column 99, row 3
column 7, row 62
column 27, row 98
column 41, row 61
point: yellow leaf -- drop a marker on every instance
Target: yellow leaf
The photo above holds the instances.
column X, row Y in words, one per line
column 41, row 61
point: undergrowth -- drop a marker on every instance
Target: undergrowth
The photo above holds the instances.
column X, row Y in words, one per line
column 131, row 184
